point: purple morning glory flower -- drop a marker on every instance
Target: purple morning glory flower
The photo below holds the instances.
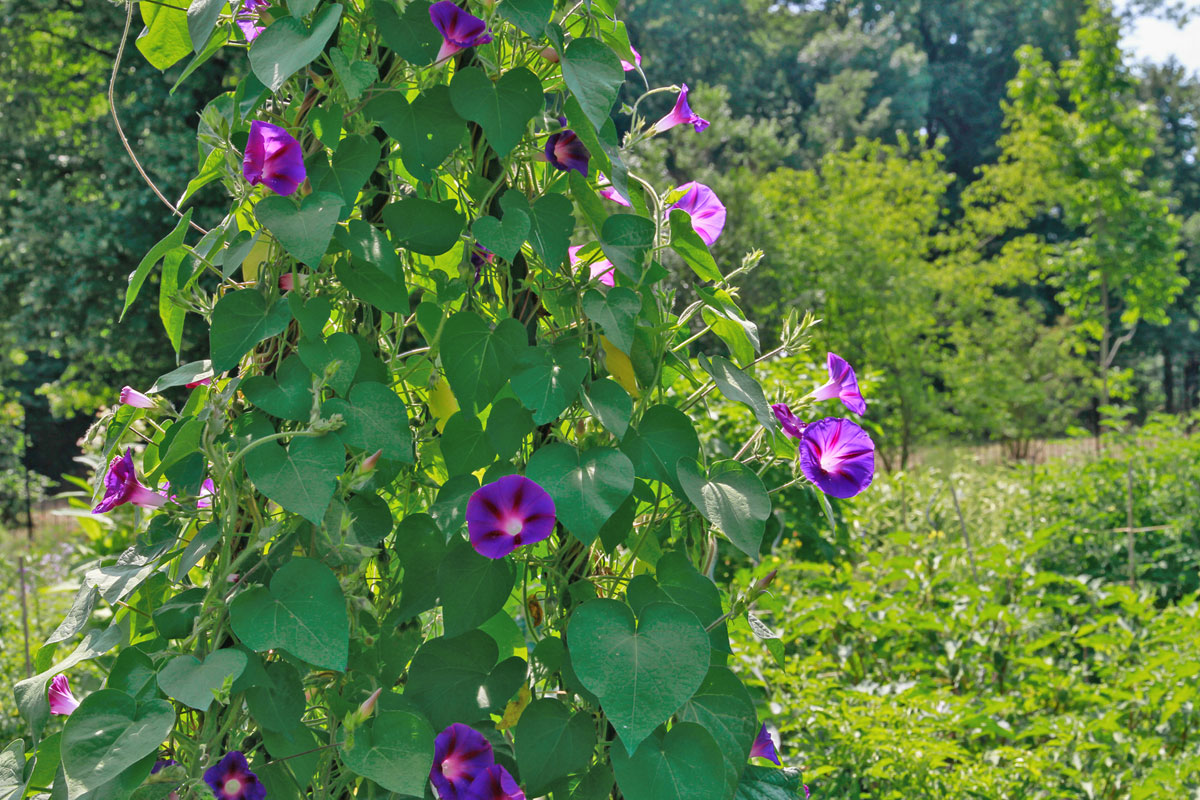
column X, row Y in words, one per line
column 162, row 764
column 459, row 28
column 231, row 779
column 791, row 424
column 460, row 755
column 481, row 258
column 60, row 697
column 505, row 514
column 247, row 18
column 843, row 384
column 704, row 207
column 601, row 269
column 273, row 157
column 764, row 746
column 132, row 397
column 564, row 151
column 838, row 456
column 494, row 783
column 609, row 192
column 637, row 59
column 121, row 486
column 681, row 114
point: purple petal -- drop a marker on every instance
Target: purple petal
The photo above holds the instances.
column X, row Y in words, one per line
column 458, row 28
column 637, row 60
column 565, row 151
column 460, row 755
column 494, row 783
column 705, row 208
column 118, row 483
column 764, row 746
column 838, row 456
column 842, row 384
column 601, row 269
column 791, row 424
column 508, row 513
column 60, row 697
column 609, row 192
column 681, row 114
column 273, row 157
column 132, row 397
column 231, row 779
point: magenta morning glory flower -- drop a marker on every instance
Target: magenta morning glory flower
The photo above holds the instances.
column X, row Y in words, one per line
column 791, row 424
column 132, row 397
column 601, row 269
column 505, row 514
column 122, row 486
column 494, row 783
column 273, row 157
column 459, row 28
column 764, row 746
column 460, row 755
column 60, row 697
column 202, row 382
column 838, row 456
column 843, row 384
column 681, row 114
column 704, row 207
column 609, row 192
column 637, row 59
column 231, row 779
column 247, row 18
column 564, row 151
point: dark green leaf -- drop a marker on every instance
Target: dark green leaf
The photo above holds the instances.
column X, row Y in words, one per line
column 428, row 129
column 732, row 497
column 376, row 419
column 170, row 242
column 424, row 226
column 302, row 478
column 691, row 248
column 465, row 447
column 472, row 587
column 286, row 395
column 479, row 360
column 193, row 682
column 287, row 46
column 395, row 749
column 110, row 732
column 626, row 240
column 552, row 744
column 453, row 680
column 593, row 74
column 547, row 382
column 588, row 487
column 530, row 16
column 664, row 436
column 353, row 162
column 410, row 34
column 305, row 231
column 616, row 313
column 608, row 402
column 503, row 108
column 683, row 764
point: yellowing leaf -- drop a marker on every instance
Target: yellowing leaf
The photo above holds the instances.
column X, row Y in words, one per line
column 515, row 708
column 620, row 367
column 442, row 404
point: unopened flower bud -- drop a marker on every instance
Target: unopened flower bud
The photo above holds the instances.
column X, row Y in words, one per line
column 368, row 706
column 550, row 54
column 762, row 583
column 370, row 461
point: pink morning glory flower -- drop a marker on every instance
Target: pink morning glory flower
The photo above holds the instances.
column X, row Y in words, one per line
column 601, row 269
column 208, row 490
column 273, row 157
column 231, row 779
column 705, row 208
column 637, row 59
column 842, row 384
column 460, row 755
column 564, row 151
column 791, row 424
column 247, row 18
column 508, row 513
column 609, row 192
column 494, row 783
column 132, row 397
column 838, row 456
column 681, row 114
column 60, row 697
column 459, row 29
column 121, row 486
column 764, row 746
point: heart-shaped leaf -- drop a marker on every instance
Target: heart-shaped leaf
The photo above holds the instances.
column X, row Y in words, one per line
column 424, row 226
column 453, row 680
column 165, row 39
column 552, row 744
column 375, row 420
column 724, row 708
column 683, row 764
column 615, row 312
column 395, row 750
column 664, row 436
column 303, row 612
column 420, row 547
column 465, row 447
column 202, row 16
column 305, row 231
column 732, row 497
column 588, row 487
column 241, row 320
column 507, row 426
column 642, row 673
column 551, row 224
column 503, row 109
column 370, row 244
column 608, row 402
column 473, row 588
column 111, row 732
column 410, row 33
column 593, row 73
column 301, row 478
column 337, row 358
column 287, row 46
column 353, row 162
column 530, row 16
column 279, row 703
column 428, row 129
column 479, row 360
column 311, row 313
column 626, row 240
column 355, row 76
column 287, row 395
column 12, row 769
column 503, row 237
column 193, row 682
column 548, row 381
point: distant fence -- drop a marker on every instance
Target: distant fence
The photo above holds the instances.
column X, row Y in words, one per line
column 1036, row 451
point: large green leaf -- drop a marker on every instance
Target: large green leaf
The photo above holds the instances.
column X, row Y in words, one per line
column 508, row 424
column 420, row 547
column 355, row 76
column 305, row 231
column 353, row 162
column 193, row 682
column 768, row 783
column 337, row 358
column 593, row 74
column 552, row 744
column 165, row 38
column 171, row 241
column 241, row 320
column 301, row 478
column 616, row 313
column 410, row 34
column 477, row 359
column 303, row 612
column 424, row 226
column 642, row 673
column 395, row 750
column 547, row 380
column 465, row 446
column 741, row 388
column 626, row 240
column 428, row 129
column 691, row 248
column 724, row 708
column 109, row 732
column 502, row 108
column 683, row 764
column 664, row 436
column 202, row 16
column 530, row 16
column 588, row 487
column 609, row 403
column 31, row 692
column 552, row 224
column 504, row 237
column 287, row 394
column 12, row 770
column 454, row 680
column 472, row 587
column 375, row 419
column 287, row 46
column 732, row 497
